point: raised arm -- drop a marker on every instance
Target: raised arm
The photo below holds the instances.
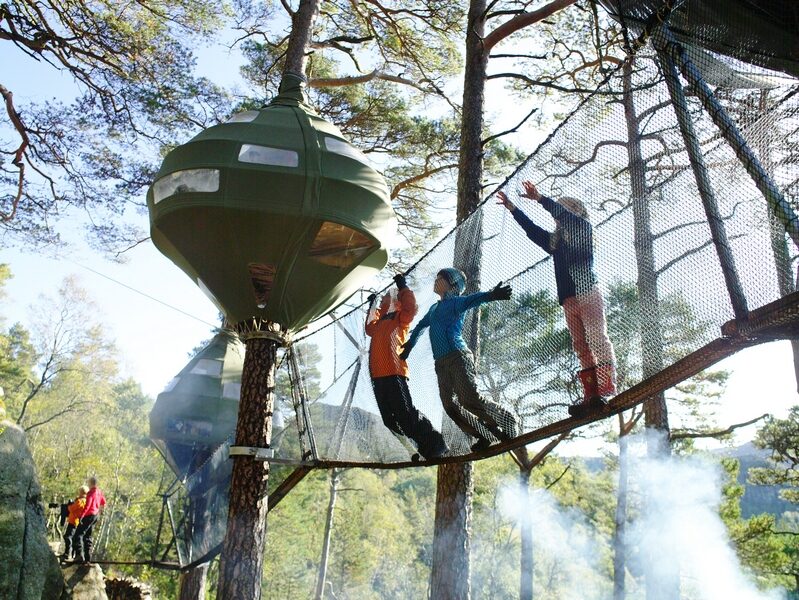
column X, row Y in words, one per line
column 372, row 316
column 417, row 331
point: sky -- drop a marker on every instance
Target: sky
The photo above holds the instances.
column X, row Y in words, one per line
column 156, row 315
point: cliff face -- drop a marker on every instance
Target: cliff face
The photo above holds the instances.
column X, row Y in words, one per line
column 29, row 570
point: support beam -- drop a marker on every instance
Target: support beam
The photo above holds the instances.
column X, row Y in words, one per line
column 714, row 220
column 665, row 41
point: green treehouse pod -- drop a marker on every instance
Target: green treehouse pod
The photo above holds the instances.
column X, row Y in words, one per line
column 198, row 409
column 273, row 214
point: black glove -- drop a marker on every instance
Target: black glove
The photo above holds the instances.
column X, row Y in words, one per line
column 399, row 279
column 501, row 292
column 371, row 298
column 406, row 352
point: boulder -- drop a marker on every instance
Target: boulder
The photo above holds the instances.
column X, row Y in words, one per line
column 30, row 569
column 85, row 582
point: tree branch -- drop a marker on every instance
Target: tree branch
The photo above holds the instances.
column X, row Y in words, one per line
column 397, row 189
column 19, row 153
column 689, row 434
column 559, row 477
column 677, row 259
column 518, row 22
column 512, row 130
column 323, row 82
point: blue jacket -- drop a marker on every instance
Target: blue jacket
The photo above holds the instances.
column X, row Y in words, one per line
column 445, row 320
column 574, row 253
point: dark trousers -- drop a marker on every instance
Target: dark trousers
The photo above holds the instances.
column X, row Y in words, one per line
column 83, row 538
column 402, row 417
column 69, row 550
column 457, row 379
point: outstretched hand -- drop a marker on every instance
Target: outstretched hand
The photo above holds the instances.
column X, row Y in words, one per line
column 406, row 352
column 530, row 191
column 505, row 201
column 501, row 292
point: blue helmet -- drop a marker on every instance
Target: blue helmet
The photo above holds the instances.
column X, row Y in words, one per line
column 455, row 278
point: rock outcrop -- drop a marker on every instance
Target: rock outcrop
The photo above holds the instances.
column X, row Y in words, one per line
column 29, row 570
column 85, row 582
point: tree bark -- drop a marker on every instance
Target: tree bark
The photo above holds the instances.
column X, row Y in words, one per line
column 241, row 564
column 450, row 576
column 331, row 507
column 666, row 586
column 619, row 548
column 656, row 413
column 526, row 532
column 300, row 39
column 779, row 244
column 192, row 583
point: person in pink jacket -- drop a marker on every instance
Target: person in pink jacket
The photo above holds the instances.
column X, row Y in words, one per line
column 95, row 501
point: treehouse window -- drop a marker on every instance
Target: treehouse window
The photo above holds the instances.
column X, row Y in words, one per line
column 209, row 367
column 341, row 147
column 243, row 117
column 339, row 246
column 193, row 180
column 264, row 155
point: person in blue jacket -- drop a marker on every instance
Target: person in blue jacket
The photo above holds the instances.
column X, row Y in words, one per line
column 454, row 362
column 572, row 248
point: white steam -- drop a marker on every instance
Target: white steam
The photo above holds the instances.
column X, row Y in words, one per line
column 675, row 502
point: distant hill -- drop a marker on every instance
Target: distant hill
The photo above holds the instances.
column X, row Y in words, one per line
column 756, row 500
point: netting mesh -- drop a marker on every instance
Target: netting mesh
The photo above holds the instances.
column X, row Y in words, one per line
column 665, row 291
column 658, row 261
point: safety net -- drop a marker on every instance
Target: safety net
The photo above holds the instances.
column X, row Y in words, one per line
column 687, row 160
column 685, row 240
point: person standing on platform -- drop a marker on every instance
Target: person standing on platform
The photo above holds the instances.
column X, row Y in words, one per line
column 572, row 248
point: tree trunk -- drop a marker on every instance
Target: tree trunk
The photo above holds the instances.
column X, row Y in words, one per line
column 526, row 532
column 241, row 564
column 779, row 244
column 666, row 586
column 301, row 29
column 450, row 577
column 192, row 583
column 331, row 506
column 656, row 414
column 619, row 548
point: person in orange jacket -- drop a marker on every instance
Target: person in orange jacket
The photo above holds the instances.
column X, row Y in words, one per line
column 387, row 326
column 74, row 511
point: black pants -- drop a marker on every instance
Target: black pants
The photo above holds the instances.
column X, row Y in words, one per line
column 69, row 549
column 83, row 538
column 403, row 418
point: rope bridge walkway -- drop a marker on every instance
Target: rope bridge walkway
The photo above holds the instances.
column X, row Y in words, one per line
column 687, row 160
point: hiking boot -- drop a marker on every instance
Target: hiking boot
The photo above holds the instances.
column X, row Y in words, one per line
column 598, row 404
column 480, row 445
column 578, row 411
column 437, row 451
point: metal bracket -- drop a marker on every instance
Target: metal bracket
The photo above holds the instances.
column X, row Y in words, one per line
column 256, row 453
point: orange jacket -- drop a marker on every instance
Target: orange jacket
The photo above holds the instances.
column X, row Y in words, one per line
column 389, row 330
column 75, row 511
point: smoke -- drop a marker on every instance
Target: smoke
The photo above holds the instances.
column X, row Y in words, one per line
column 679, row 525
column 567, row 549
column 675, row 528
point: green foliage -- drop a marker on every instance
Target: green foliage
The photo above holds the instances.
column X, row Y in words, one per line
column 137, row 89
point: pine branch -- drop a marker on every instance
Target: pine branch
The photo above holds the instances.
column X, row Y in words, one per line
column 690, row 434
